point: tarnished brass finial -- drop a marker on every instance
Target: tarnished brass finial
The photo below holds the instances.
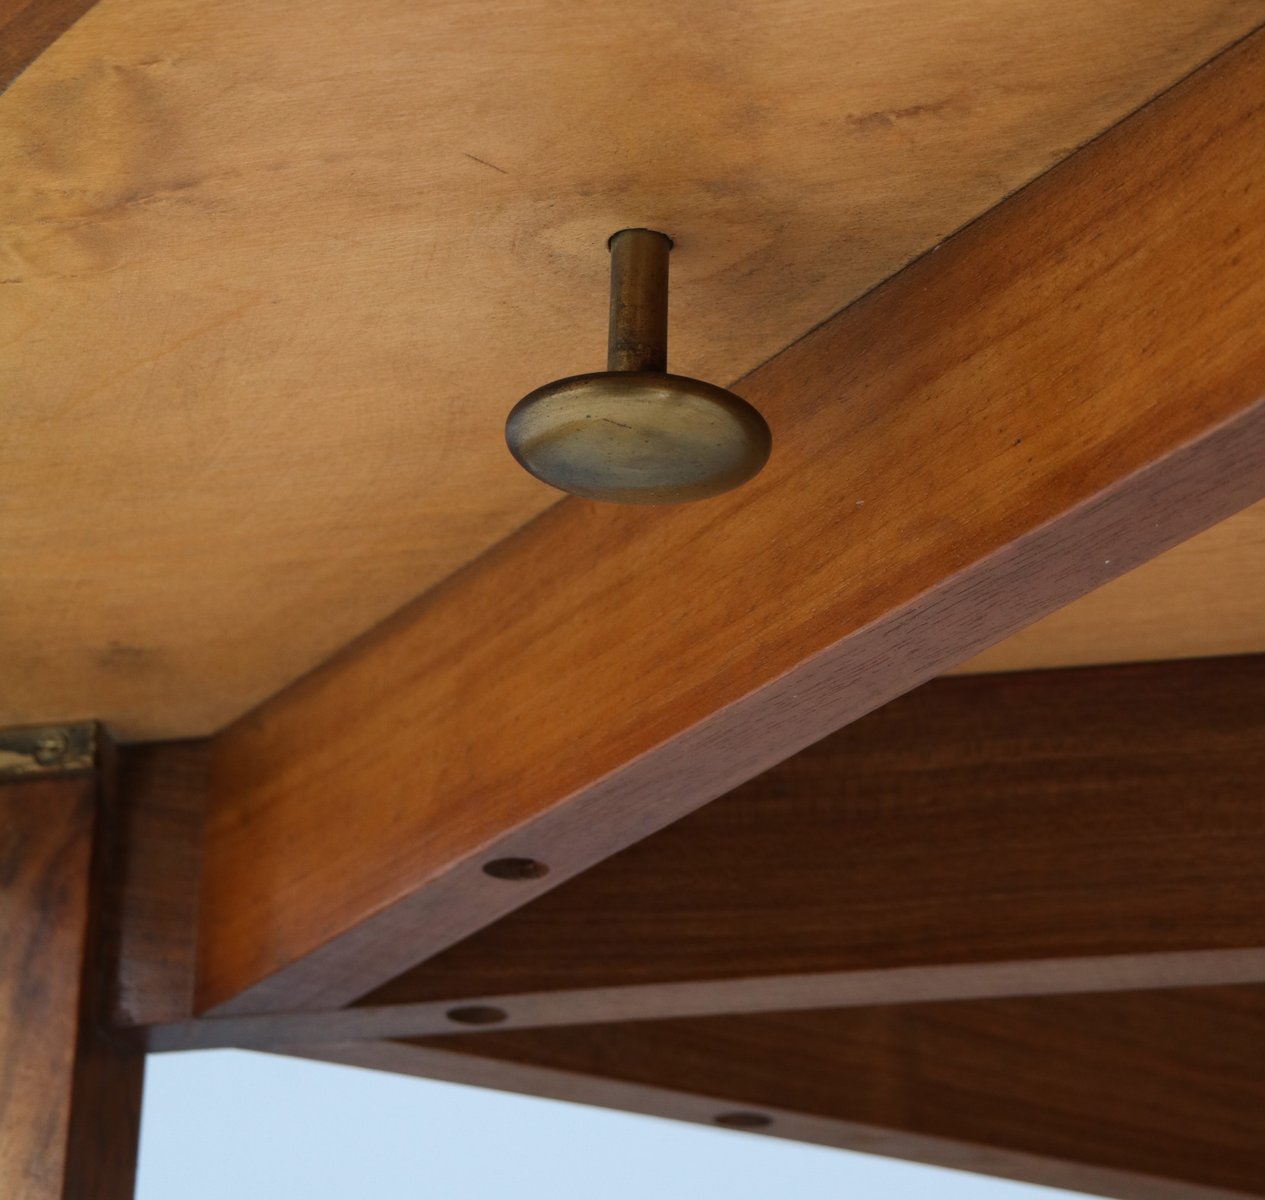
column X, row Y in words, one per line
column 633, row 433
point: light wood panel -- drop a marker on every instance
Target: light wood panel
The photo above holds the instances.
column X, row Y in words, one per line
column 608, row 670
column 271, row 275
column 1143, row 1096
column 69, row 1097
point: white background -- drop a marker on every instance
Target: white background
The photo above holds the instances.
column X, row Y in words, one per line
column 228, row 1125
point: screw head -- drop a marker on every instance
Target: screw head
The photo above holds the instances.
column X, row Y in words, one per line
column 743, row 1120
column 477, row 1014
column 516, row 870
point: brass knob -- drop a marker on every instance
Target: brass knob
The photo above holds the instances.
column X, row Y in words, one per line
column 633, row 433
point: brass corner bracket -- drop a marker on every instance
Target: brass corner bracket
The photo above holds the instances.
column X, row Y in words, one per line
column 37, row 750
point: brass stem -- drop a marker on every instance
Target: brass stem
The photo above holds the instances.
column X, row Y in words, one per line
column 639, row 301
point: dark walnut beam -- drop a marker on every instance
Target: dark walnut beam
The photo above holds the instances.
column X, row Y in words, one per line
column 69, row 1093
column 29, row 27
column 1061, row 831
column 153, row 892
column 1140, row 1096
column 1068, row 387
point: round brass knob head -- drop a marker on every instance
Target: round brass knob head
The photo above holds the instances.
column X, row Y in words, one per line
column 638, row 437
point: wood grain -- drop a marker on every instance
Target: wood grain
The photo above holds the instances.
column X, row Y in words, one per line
column 1065, row 831
column 153, row 902
column 1003, row 835
column 607, row 671
column 273, row 275
column 69, row 1096
column 29, row 27
column 1202, row 598
column 1140, row 1096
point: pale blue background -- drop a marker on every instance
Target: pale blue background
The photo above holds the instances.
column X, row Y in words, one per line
column 227, row 1125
